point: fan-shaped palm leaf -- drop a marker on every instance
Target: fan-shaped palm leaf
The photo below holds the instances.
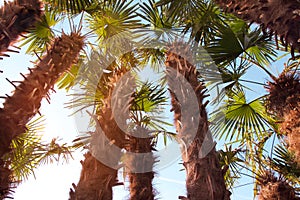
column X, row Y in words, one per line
column 234, row 42
column 40, row 36
column 72, row 6
column 283, row 162
column 241, row 118
column 231, row 162
column 30, row 152
column 113, row 17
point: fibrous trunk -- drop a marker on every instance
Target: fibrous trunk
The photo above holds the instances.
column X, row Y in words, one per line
column 96, row 180
column 16, row 18
column 140, row 166
column 101, row 164
column 204, row 177
column 25, row 102
column 273, row 188
column 284, row 101
column 282, row 17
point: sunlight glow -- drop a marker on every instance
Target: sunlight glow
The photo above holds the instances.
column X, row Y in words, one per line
column 2, row 2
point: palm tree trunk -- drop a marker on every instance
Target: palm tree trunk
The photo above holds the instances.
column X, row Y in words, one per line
column 19, row 108
column 141, row 167
column 16, row 18
column 284, row 102
column 96, row 181
column 273, row 188
column 100, row 167
column 280, row 16
column 204, row 177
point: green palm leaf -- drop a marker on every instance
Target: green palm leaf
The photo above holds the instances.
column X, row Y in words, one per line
column 156, row 16
column 30, row 152
column 238, row 40
column 72, row 6
column 283, row 162
column 113, row 17
column 238, row 119
column 39, row 37
column 231, row 162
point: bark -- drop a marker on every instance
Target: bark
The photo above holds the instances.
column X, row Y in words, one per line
column 16, row 18
column 204, row 177
column 100, row 167
column 282, row 17
column 284, row 102
column 273, row 188
column 141, row 174
column 96, row 181
column 25, row 102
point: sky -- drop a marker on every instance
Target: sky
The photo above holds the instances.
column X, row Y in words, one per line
column 53, row 181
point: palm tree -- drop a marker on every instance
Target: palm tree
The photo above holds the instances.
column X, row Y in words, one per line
column 16, row 18
column 109, row 21
column 225, row 38
column 224, row 42
column 284, row 102
column 205, row 179
column 280, row 17
column 98, row 177
column 19, row 108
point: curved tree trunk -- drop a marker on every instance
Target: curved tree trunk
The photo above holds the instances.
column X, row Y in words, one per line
column 16, row 18
column 282, row 17
column 204, row 177
column 99, row 169
column 19, row 108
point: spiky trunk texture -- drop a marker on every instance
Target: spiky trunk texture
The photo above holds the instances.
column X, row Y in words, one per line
column 19, row 108
column 284, row 101
column 272, row 188
column 97, row 177
column 96, row 180
column 16, row 18
column 282, row 17
column 204, row 177
column 140, row 182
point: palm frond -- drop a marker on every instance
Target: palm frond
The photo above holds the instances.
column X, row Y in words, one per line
column 113, row 18
column 238, row 118
column 39, row 37
column 153, row 56
column 238, row 39
column 148, row 98
column 283, row 162
column 156, row 16
column 231, row 163
column 29, row 152
column 72, row 6
column 204, row 25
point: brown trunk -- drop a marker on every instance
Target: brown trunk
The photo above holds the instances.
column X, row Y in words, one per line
column 282, row 17
column 272, row 188
column 19, row 108
column 99, row 170
column 284, row 101
column 140, row 182
column 16, row 18
column 204, row 177
column 96, row 181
